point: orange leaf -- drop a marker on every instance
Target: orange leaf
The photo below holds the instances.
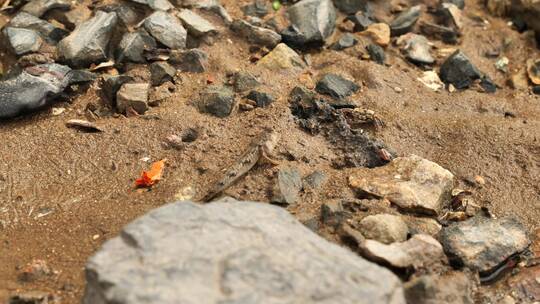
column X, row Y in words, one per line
column 150, row 178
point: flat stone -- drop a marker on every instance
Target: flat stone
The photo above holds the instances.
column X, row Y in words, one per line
column 436, row 31
column 111, row 85
column 231, row 252
column 23, row 41
column 412, row 183
column 405, row 21
column 244, row 81
column 336, row 86
column 161, row 72
column 453, row 288
column 50, row 33
column 262, row 99
column 352, row 6
column 385, row 228
column 133, row 45
column 255, row 34
column 282, row 57
column 347, row 40
column 312, row 22
column 218, row 101
column 379, row 33
column 420, row 251
column 193, row 60
column 196, row 25
column 39, row 7
column 459, row 71
column 482, row 244
column 157, row 5
column 287, row 188
column 376, row 53
column 133, row 95
column 167, row 29
column 361, row 21
column 89, row 42
column 416, row 48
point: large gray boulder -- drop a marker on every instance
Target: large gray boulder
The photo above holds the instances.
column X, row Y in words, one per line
column 235, row 252
column 312, row 21
column 89, row 42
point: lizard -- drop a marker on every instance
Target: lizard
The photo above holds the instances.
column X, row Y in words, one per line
column 260, row 150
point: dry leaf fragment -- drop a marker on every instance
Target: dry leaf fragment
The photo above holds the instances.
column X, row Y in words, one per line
column 150, row 178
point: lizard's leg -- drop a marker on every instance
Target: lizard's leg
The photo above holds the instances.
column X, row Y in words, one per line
column 267, row 157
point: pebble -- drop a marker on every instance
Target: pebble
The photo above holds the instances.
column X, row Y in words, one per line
column 312, row 22
column 167, row 29
column 347, row 40
column 379, row 33
column 255, row 34
column 459, row 71
column 196, row 25
column 336, row 86
column 360, row 20
column 133, row 45
column 244, row 81
column 261, row 99
column 416, row 48
column 193, row 60
column 218, row 101
column 288, row 185
column 405, row 21
column 384, row 228
column 161, row 72
column 282, row 57
column 352, row 6
column 134, row 96
column 376, row 53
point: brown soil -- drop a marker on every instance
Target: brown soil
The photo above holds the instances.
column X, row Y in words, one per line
column 86, row 181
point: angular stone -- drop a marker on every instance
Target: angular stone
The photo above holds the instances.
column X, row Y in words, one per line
column 88, row 43
column 336, row 86
column 255, row 34
column 412, row 183
column 315, row 179
column 446, row 34
column 194, row 60
column 312, row 22
column 73, row 18
column 259, row 8
column 23, row 41
column 352, row 6
column 218, row 101
column 256, row 253
column 459, row 71
column 379, row 33
column 422, row 225
column 482, row 244
column 244, row 81
column 32, row 89
column 133, row 95
column 453, row 288
column 49, row 32
column 333, row 213
column 452, row 16
column 281, row 58
column 161, row 72
column 167, row 29
column 133, row 45
column 405, row 21
column 196, row 25
column 416, row 48
column 376, row 53
column 346, row 41
column 157, row 5
column 488, row 85
column 459, row 3
column 39, row 7
column 262, row 99
column 287, row 189
column 420, row 251
column 111, row 85
column 361, row 21
column 385, row 228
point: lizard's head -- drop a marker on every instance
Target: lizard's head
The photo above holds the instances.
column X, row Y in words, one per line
column 271, row 141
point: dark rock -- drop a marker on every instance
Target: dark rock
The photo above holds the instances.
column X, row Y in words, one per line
column 255, row 34
column 196, row 25
column 134, row 96
column 39, row 7
column 242, row 246
column 376, row 53
column 262, row 99
column 287, row 188
column 352, row 6
column 128, row 14
column 167, row 29
column 244, row 81
column 133, row 45
column 536, row 89
column 446, row 34
column 361, row 21
column 81, row 76
column 157, row 5
column 333, row 213
column 194, row 60
column 22, row 41
column 33, row 297
column 519, row 24
column 416, row 48
column 405, row 21
column 161, row 72
column 259, row 8
column 345, row 41
column 218, row 101
column 336, row 86
column 451, row 15
column 482, row 244
column 315, row 180
column 458, row 70
column 488, row 85
column 49, row 32
column 453, row 288
column 111, row 85
column 88, row 43
column 459, row 3
column 32, row 89
column 312, row 22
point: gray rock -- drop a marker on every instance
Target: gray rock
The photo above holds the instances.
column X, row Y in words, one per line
column 458, row 70
column 133, row 45
column 347, row 40
column 244, row 81
column 39, row 7
column 231, row 252
column 312, row 22
column 74, row 17
column 262, row 99
column 255, row 34
column 194, row 60
column 412, row 183
column 405, row 21
column 336, row 86
column 352, row 6
column 161, row 72
column 287, row 188
column 333, row 213
column 315, row 179
column 259, row 8
column 209, row 5
column 32, row 89
column 361, row 21
column 89, row 42
column 459, row 3
column 167, row 29
column 23, row 41
column 416, row 48
column 133, row 95
column 481, row 244
column 157, row 5
column 111, row 85
column 49, row 32
column 453, row 288
column 218, row 101
column 422, row 225
column 376, row 53
column 196, row 25
column 385, row 228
